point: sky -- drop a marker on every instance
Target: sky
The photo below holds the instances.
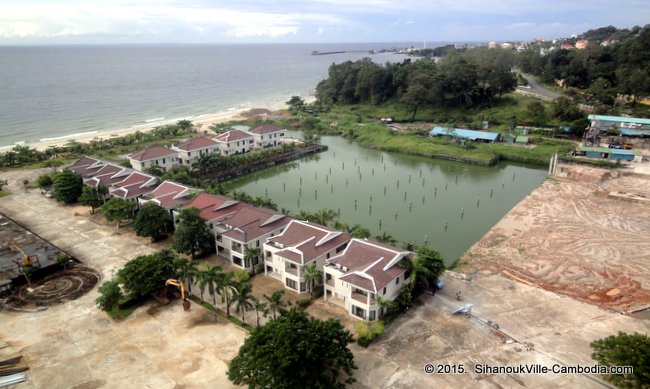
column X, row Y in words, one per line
column 306, row 21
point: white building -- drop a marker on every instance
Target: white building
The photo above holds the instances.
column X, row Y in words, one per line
column 301, row 244
column 267, row 135
column 192, row 149
column 238, row 226
column 361, row 273
column 235, row 142
column 154, row 155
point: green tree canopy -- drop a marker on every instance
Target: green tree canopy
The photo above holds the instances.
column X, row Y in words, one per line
column 625, row 350
column 117, row 210
column 91, row 197
column 67, row 186
column 153, row 221
column 192, row 234
column 110, row 294
column 146, row 275
column 295, row 351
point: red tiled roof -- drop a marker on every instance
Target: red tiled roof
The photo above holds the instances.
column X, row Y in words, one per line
column 370, row 265
column 265, row 129
column 134, row 185
column 233, row 135
column 312, row 240
column 108, row 175
column 251, row 222
column 86, row 166
column 213, row 207
column 151, row 152
column 200, row 142
column 170, row 194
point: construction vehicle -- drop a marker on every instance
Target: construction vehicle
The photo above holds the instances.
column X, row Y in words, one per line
column 181, row 287
column 27, row 260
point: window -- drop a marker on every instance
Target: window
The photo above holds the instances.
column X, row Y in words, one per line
column 257, row 244
column 384, row 290
column 189, row 154
column 397, row 281
column 251, row 141
column 282, row 134
column 328, row 256
column 372, row 315
column 291, row 284
column 210, row 225
column 163, row 161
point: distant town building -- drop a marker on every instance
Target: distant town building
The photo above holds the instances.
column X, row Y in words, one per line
column 492, row 45
column 582, row 44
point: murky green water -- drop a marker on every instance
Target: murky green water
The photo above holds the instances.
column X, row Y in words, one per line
column 412, row 198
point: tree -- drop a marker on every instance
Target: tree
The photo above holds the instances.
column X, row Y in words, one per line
column 387, row 238
column 110, row 294
column 192, row 234
column 44, row 181
column 275, row 302
column 295, row 351
column 324, row 216
column 424, row 269
column 224, row 286
column 63, row 260
column 259, row 306
column 252, row 256
column 3, row 183
column 91, row 197
column 146, row 275
column 186, row 126
column 117, row 210
column 186, row 271
column 211, row 276
column 67, row 186
column 242, row 298
column 625, row 350
column 297, row 103
column 537, row 112
column 312, row 277
column 153, row 221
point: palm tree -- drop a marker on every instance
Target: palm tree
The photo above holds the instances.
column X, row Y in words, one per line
column 409, row 246
column 243, row 298
column 203, row 165
column 187, row 271
column 252, row 256
column 341, row 226
column 211, row 276
column 305, row 215
column 359, row 232
column 312, row 276
column 325, row 216
column 275, row 302
column 200, row 279
column 224, row 285
column 259, row 306
column 387, row 238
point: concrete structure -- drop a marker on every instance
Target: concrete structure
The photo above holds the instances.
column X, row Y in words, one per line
column 154, row 155
column 287, row 255
column 479, row 136
column 135, row 185
column 235, row 142
column 267, row 135
column 169, row 195
column 628, row 126
column 237, row 226
column 192, row 149
column 361, row 273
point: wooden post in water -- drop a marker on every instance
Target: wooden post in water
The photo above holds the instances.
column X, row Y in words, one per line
column 379, row 224
column 478, row 200
column 491, row 192
column 316, row 194
column 462, row 212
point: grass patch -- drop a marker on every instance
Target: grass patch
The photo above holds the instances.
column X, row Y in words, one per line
column 4, row 193
column 124, row 308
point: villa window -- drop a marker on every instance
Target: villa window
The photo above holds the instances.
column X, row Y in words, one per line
column 189, row 154
column 163, row 161
column 282, row 134
column 257, row 244
column 328, row 256
column 372, row 315
column 384, row 290
column 397, row 281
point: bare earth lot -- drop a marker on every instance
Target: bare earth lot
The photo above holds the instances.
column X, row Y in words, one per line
column 570, row 237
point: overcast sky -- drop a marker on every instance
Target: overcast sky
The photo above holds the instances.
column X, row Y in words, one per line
column 267, row 21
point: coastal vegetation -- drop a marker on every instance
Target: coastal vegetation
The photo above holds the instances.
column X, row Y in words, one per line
column 625, row 350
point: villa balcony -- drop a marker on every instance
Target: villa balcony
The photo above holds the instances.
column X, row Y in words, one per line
column 330, row 282
column 237, row 248
column 291, row 270
column 362, row 298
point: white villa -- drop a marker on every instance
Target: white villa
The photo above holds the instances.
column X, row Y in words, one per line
column 300, row 244
column 235, row 142
column 192, row 149
column 153, row 155
column 361, row 273
column 268, row 135
column 238, row 226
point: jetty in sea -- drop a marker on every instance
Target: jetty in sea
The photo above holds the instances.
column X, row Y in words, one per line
column 316, row 52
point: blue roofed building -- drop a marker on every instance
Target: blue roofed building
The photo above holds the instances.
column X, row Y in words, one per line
column 478, row 136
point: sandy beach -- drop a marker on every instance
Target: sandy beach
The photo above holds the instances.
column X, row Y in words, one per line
column 202, row 122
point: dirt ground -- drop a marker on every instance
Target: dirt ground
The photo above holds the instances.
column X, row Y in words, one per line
column 574, row 237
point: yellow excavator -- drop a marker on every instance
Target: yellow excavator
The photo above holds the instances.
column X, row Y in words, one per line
column 27, row 260
column 179, row 285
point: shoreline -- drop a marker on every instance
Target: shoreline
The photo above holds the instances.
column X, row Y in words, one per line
column 201, row 121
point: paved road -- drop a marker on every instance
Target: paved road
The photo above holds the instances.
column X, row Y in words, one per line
column 535, row 87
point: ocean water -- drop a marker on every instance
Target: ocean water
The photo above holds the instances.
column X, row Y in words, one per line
column 57, row 91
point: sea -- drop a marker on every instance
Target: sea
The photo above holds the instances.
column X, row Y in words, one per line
column 60, row 92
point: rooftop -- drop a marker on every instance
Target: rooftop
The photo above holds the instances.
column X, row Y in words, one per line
column 265, row 129
column 302, row 242
column 151, row 152
column 212, row 207
column 170, row 194
column 200, row 142
column 233, row 135
column 462, row 133
column 252, row 222
column 618, row 119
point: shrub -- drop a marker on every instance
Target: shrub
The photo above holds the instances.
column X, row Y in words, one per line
column 367, row 333
column 304, row 303
column 44, row 181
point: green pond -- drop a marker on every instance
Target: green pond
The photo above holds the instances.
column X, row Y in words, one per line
column 449, row 205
